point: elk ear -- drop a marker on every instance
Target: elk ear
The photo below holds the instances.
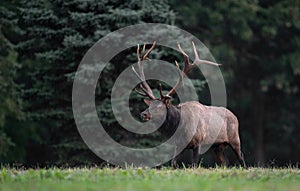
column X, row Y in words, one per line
column 168, row 103
column 147, row 102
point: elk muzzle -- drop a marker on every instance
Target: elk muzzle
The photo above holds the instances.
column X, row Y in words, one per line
column 146, row 116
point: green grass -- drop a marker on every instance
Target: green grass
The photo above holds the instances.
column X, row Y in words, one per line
column 150, row 179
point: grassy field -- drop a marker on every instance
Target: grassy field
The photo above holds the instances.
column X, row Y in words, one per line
column 150, row 179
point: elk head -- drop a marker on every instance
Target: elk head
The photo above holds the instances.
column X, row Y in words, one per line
column 158, row 106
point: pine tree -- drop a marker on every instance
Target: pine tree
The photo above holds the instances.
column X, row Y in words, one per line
column 10, row 102
column 55, row 36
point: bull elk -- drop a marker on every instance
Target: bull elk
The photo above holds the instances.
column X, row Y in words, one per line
column 195, row 112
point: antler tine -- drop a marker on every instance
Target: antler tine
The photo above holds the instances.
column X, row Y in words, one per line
column 177, row 65
column 133, row 69
column 147, row 90
column 187, row 67
column 145, row 57
column 138, row 52
column 206, row 62
column 160, row 92
column 195, row 51
column 186, row 57
column 139, row 92
column 179, row 71
column 198, row 61
column 144, row 86
column 143, row 50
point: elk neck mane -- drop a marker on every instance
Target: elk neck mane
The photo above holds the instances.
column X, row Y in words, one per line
column 172, row 120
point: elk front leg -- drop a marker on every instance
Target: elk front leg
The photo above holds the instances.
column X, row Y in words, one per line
column 195, row 160
column 176, row 155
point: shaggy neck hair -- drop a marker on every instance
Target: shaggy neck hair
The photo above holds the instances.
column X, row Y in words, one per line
column 171, row 123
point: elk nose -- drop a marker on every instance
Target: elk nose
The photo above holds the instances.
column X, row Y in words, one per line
column 143, row 115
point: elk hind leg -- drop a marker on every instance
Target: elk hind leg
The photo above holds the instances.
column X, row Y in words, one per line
column 236, row 147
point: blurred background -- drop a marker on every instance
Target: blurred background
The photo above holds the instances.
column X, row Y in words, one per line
column 42, row 43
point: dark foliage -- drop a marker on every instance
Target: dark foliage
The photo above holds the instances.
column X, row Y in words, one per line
column 42, row 43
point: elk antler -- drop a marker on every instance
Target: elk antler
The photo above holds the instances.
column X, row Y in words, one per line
column 187, row 67
column 144, row 86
